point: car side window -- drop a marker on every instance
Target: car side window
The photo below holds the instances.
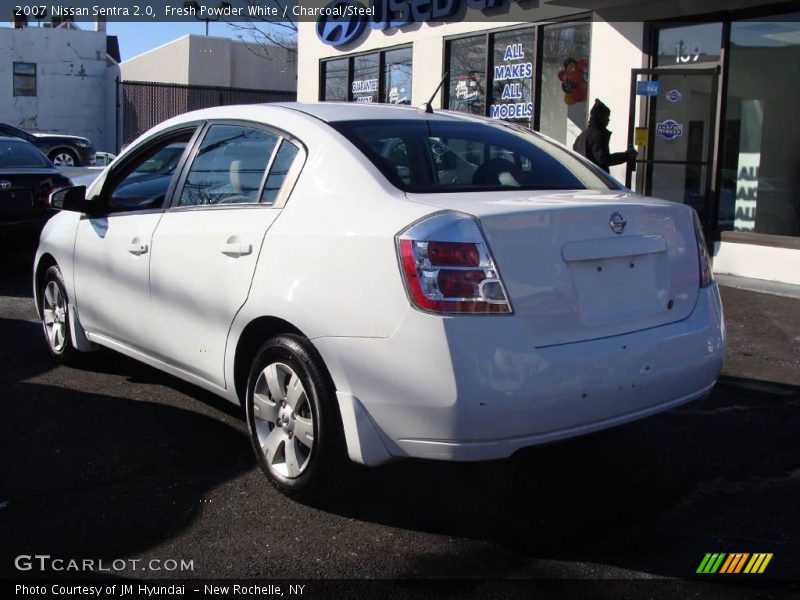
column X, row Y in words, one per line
column 145, row 181
column 229, row 166
column 278, row 170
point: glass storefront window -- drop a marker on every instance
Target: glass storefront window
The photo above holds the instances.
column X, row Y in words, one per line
column 360, row 79
column 397, row 76
column 513, row 68
column 565, row 80
column 364, row 86
column 689, row 45
column 760, row 169
column 334, row 74
column 467, row 90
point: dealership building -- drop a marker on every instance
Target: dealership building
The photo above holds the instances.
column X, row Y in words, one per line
column 704, row 90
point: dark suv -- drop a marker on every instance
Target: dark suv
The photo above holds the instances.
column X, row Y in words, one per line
column 63, row 150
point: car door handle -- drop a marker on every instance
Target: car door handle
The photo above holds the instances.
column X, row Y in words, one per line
column 235, row 249
column 137, row 248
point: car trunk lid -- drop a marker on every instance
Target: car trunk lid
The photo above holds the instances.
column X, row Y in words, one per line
column 570, row 276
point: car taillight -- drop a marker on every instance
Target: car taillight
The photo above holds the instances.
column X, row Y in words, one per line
column 447, row 267
column 703, row 258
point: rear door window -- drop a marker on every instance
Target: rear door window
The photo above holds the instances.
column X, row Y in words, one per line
column 229, row 166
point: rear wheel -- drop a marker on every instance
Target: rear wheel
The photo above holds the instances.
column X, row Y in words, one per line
column 294, row 422
column 63, row 158
column 55, row 317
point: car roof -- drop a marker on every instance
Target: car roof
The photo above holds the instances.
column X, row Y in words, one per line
column 353, row 111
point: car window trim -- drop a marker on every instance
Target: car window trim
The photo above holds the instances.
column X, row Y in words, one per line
column 136, row 154
column 267, row 171
column 292, row 174
column 288, row 184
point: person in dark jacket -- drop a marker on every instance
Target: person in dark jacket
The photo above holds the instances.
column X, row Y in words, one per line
column 593, row 143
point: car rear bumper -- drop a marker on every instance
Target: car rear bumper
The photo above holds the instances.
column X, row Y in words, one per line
column 476, row 388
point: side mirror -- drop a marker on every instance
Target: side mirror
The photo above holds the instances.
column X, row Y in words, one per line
column 73, row 199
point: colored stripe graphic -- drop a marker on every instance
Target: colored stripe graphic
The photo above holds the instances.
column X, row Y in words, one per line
column 723, row 563
column 741, row 562
column 734, row 563
column 711, row 562
column 758, row 563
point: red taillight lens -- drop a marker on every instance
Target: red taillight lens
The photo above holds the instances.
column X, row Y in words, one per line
column 459, row 284
column 450, row 276
column 447, row 254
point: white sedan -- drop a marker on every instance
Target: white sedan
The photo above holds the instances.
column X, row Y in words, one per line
column 326, row 267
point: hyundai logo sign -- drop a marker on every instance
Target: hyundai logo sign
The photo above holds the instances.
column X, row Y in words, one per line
column 341, row 22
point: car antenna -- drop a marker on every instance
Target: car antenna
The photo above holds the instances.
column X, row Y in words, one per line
column 427, row 108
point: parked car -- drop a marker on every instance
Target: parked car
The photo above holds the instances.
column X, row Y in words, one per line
column 62, row 150
column 27, row 178
column 363, row 309
column 103, row 159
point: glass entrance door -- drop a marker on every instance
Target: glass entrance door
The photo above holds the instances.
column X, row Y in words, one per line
column 676, row 135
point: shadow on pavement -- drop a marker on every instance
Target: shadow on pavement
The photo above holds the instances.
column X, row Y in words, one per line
column 98, row 475
column 16, row 274
column 720, row 474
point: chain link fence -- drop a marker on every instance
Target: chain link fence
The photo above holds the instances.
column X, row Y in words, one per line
column 144, row 104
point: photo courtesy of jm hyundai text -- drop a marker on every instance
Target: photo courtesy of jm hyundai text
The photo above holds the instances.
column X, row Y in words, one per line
column 373, row 283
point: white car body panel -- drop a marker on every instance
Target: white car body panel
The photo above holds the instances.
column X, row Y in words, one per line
column 580, row 351
column 202, row 266
column 112, row 287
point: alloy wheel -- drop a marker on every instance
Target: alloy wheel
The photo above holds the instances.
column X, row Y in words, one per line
column 54, row 317
column 284, row 421
column 63, row 159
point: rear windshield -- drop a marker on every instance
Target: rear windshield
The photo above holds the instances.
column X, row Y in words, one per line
column 14, row 154
column 450, row 156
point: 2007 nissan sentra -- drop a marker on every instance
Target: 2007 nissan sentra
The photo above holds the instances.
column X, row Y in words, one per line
column 376, row 282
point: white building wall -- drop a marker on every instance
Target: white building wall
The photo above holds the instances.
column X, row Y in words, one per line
column 272, row 68
column 209, row 61
column 74, row 81
column 165, row 64
column 217, row 61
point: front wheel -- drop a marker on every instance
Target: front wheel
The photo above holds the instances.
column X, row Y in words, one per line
column 294, row 421
column 55, row 317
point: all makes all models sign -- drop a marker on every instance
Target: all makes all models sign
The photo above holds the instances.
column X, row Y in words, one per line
column 513, row 75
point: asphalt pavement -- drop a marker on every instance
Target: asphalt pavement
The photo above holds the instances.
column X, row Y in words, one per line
column 117, row 460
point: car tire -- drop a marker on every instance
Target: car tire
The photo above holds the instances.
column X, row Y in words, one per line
column 54, row 315
column 294, row 421
column 64, row 158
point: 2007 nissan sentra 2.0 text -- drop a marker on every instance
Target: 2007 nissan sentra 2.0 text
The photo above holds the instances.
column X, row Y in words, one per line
column 378, row 282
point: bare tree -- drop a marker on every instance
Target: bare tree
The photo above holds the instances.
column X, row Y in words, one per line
column 263, row 33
